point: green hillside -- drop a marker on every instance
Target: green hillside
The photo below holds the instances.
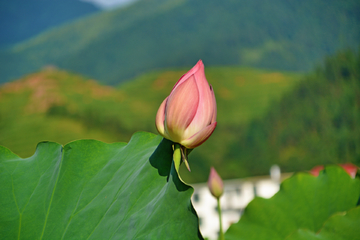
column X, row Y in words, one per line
column 22, row 19
column 125, row 43
column 316, row 123
column 24, row 105
column 59, row 106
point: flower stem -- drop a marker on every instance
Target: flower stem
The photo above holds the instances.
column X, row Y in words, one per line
column 221, row 233
column 177, row 156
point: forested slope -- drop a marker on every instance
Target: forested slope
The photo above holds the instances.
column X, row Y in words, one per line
column 316, row 123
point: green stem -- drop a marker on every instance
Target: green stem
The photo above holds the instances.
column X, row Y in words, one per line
column 177, row 157
column 221, row 233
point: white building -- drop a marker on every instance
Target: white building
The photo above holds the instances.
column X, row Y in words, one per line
column 237, row 194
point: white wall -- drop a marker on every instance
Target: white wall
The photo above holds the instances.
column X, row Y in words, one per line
column 237, row 194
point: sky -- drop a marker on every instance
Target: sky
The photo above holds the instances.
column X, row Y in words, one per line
column 109, row 3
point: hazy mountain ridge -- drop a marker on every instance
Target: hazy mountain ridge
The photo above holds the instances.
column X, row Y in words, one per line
column 118, row 45
column 22, row 19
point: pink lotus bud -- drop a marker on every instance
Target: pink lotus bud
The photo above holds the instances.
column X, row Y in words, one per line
column 215, row 183
column 188, row 115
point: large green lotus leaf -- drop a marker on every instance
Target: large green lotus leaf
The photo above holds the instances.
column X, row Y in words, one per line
column 303, row 202
column 340, row 226
column 93, row 190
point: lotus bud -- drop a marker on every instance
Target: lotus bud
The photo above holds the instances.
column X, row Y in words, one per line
column 215, row 183
column 188, row 115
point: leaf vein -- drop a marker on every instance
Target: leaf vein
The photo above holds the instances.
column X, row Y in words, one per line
column 52, row 195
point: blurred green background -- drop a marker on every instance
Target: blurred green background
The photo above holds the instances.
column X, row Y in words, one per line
column 286, row 77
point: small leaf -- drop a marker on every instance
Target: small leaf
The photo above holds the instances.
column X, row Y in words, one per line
column 303, row 202
column 340, row 226
column 93, row 190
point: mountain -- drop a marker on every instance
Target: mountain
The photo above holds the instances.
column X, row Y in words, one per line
column 23, row 19
column 119, row 45
column 316, row 123
column 55, row 105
